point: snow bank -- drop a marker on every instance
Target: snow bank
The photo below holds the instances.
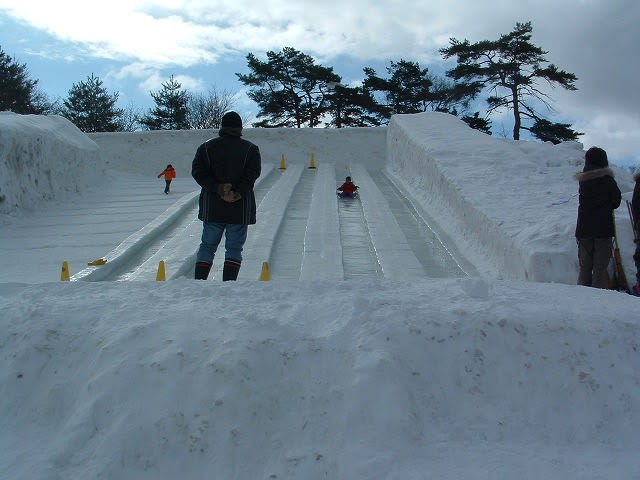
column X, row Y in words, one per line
column 508, row 203
column 468, row 381
column 31, row 147
column 145, row 152
column 440, row 378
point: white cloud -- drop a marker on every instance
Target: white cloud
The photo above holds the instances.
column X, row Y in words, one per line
column 618, row 134
column 197, row 31
column 594, row 39
column 187, row 32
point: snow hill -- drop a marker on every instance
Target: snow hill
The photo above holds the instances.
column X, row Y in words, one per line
column 512, row 371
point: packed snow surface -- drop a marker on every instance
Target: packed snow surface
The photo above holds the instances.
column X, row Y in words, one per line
column 503, row 369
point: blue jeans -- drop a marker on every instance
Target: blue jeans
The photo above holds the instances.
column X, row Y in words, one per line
column 235, row 236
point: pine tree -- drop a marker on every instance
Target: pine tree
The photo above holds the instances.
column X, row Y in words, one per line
column 351, row 107
column 91, row 108
column 410, row 89
column 509, row 69
column 291, row 90
column 477, row 123
column 553, row 132
column 170, row 112
column 18, row 93
column 405, row 91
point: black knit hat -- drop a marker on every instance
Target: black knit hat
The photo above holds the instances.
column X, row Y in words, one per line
column 231, row 119
column 595, row 157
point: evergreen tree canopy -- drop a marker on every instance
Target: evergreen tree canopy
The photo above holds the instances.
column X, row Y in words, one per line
column 553, row 132
column 289, row 88
column 410, row 89
column 405, row 91
column 351, row 107
column 18, row 92
column 170, row 112
column 91, row 108
column 477, row 123
column 509, row 68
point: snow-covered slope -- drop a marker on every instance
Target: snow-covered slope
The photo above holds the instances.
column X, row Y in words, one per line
column 513, row 204
column 43, row 158
column 412, row 378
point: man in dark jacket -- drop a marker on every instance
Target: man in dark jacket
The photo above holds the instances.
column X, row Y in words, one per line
column 599, row 197
column 635, row 212
column 226, row 167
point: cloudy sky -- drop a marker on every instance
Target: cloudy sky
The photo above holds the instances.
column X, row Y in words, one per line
column 135, row 45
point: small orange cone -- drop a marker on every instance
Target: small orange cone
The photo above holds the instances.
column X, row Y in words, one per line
column 283, row 164
column 161, row 277
column 64, row 275
column 312, row 163
column 264, row 275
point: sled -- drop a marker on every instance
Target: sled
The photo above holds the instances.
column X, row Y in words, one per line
column 339, row 194
column 619, row 276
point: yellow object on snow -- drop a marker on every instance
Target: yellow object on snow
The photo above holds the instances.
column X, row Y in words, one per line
column 161, row 276
column 97, row 262
column 264, row 274
column 64, row 274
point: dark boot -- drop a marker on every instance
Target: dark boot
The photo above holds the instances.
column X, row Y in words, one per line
column 230, row 270
column 202, row 270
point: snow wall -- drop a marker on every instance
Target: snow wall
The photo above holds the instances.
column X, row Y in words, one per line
column 31, row 147
column 434, row 156
column 128, row 152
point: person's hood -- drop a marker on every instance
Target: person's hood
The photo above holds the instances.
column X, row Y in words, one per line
column 595, row 173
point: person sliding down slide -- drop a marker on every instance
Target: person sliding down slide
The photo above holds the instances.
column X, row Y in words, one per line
column 347, row 189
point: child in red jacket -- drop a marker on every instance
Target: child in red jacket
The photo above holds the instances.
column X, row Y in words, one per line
column 347, row 189
column 169, row 174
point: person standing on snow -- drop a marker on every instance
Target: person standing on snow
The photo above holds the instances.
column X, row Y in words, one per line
column 226, row 167
column 348, row 188
column 599, row 196
column 169, row 174
column 635, row 212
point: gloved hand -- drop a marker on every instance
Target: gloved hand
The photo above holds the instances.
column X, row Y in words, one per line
column 227, row 194
column 231, row 197
column 223, row 188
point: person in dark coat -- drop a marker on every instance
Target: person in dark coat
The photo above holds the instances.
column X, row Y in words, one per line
column 599, row 196
column 635, row 212
column 226, row 167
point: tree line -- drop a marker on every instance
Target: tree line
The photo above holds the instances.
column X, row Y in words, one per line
column 291, row 89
